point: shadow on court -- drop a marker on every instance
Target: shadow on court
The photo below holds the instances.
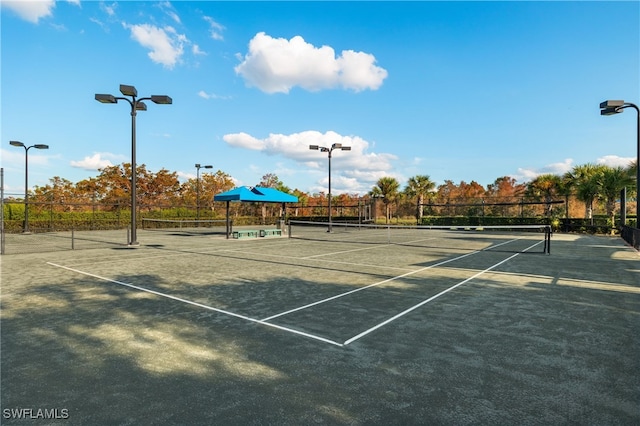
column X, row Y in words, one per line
column 536, row 340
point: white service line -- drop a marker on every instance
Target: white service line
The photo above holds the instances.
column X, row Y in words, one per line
column 200, row 305
column 377, row 245
column 385, row 281
column 424, row 302
column 368, row 286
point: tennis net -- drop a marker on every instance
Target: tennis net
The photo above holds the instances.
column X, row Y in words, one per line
column 186, row 226
column 510, row 238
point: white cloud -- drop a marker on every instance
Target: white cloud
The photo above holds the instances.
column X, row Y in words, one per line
column 560, row 168
column 185, row 176
column 15, row 157
column 276, row 65
column 528, row 174
column 31, row 10
column 244, row 140
column 95, row 161
column 615, row 161
column 166, row 45
column 205, row 95
column 195, row 49
column 109, row 9
column 215, row 29
column 354, row 170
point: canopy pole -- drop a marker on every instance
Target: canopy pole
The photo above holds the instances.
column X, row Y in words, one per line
column 228, row 220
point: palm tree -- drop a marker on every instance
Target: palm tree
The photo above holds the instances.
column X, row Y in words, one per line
column 611, row 180
column 387, row 189
column 420, row 186
column 584, row 179
column 565, row 189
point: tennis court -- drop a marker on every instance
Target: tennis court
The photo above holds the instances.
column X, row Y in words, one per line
column 356, row 326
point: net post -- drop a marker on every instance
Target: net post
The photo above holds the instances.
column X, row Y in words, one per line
column 547, row 239
column 73, row 239
column 289, row 229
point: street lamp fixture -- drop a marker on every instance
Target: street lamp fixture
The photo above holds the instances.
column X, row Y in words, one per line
column 136, row 105
column 333, row 147
column 612, row 107
column 198, row 167
column 25, row 228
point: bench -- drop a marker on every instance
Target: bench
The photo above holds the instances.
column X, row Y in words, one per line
column 245, row 233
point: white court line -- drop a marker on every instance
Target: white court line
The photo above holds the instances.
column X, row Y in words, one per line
column 337, row 296
column 377, row 245
column 200, row 305
column 366, row 287
column 424, row 302
column 290, row 330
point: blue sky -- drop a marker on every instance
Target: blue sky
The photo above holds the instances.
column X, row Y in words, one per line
column 454, row 90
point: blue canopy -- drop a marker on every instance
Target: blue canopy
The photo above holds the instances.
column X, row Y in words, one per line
column 256, row 194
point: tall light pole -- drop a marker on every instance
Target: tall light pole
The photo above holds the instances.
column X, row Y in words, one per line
column 616, row 107
column 329, row 151
column 136, row 105
column 25, row 228
column 198, row 167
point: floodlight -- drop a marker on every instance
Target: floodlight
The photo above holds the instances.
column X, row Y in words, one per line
column 128, row 90
column 611, row 104
column 161, row 99
column 41, row 146
column 610, row 111
column 314, row 147
column 106, row 99
column 16, row 143
column 141, row 106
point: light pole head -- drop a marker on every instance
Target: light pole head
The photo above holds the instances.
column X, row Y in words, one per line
column 611, row 104
column 316, row 147
column 141, row 106
column 106, row 99
column 197, row 166
column 346, row 148
column 16, row 143
column 611, row 107
column 208, row 166
column 128, row 90
column 336, row 146
column 41, row 146
column 161, row 99
column 610, row 111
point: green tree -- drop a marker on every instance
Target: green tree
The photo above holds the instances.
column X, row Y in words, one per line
column 584, row 179
column 386, row 188
column 420, row 186
column 611, row 180
column 271, row 180
column 565, row 189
